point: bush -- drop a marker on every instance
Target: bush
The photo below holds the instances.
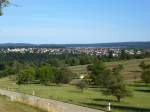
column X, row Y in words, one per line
column 63, row 76
column 81, row 84
column 45, row 74
column 26, row 76
column 2, row 67
column 146, row 76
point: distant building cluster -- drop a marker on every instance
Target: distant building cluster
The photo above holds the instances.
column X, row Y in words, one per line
column 90, row 51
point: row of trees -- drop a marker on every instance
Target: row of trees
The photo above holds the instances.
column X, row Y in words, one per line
column 31, row 73
column 67, row 59
column 126, row 56
column 45, row 75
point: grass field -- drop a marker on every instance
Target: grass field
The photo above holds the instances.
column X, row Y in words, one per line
column 92, row 97
column 7, row 106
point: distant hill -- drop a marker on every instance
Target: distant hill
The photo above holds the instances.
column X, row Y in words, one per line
column 25, row 45
column 145, row 45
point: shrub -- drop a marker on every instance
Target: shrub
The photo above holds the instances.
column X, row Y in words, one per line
column 26, row 76
column 45, row 74
column 63, row 76
column 81, row 84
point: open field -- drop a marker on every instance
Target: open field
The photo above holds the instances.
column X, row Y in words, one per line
column 92, row 97
column 7, row 106
column 131, row 69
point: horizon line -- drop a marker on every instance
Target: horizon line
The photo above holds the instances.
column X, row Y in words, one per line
column 71, row 43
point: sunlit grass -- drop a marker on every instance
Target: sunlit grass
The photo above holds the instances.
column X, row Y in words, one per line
column 91, row 97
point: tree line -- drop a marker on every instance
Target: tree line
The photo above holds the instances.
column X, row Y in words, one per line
column 66, row 59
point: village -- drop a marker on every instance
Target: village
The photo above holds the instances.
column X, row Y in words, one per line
column 90, row 51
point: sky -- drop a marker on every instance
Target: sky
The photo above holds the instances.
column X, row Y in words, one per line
column 75, row 21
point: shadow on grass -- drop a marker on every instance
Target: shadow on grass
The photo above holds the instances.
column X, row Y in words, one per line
column 140, row 90
column 106, row 100
column 94, row 87
column 136, row 71
column 139, row 85
column 76, row 91
column 123, row 108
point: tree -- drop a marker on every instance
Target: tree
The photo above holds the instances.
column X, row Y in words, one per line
column 3, row 71
column 45, row 74
column 110, row 54
column 145, row 74
column 3, row 3
column 2, row 67
column 115, row 85
column 98, row 73
column 26, row 76
column 63, row 76
column 124, row 55
column 54, row 62
column 144, row 66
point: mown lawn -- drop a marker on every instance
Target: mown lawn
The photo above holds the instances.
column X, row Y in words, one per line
column 7, row 106
column 91, row 97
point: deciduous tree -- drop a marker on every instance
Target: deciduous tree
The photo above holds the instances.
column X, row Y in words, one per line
column 26, row 76
column 3, row 3
column 46, row 74
column 116, row 86
column 145, row 74
column 63, row 76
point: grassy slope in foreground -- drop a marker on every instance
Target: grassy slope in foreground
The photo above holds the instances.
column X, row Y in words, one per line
column 7, row 106
column 91, row 97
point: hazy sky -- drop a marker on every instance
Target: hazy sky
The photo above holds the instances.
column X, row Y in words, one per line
column 75, row 21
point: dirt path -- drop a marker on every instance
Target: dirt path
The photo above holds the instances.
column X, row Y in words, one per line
column 46, row 104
